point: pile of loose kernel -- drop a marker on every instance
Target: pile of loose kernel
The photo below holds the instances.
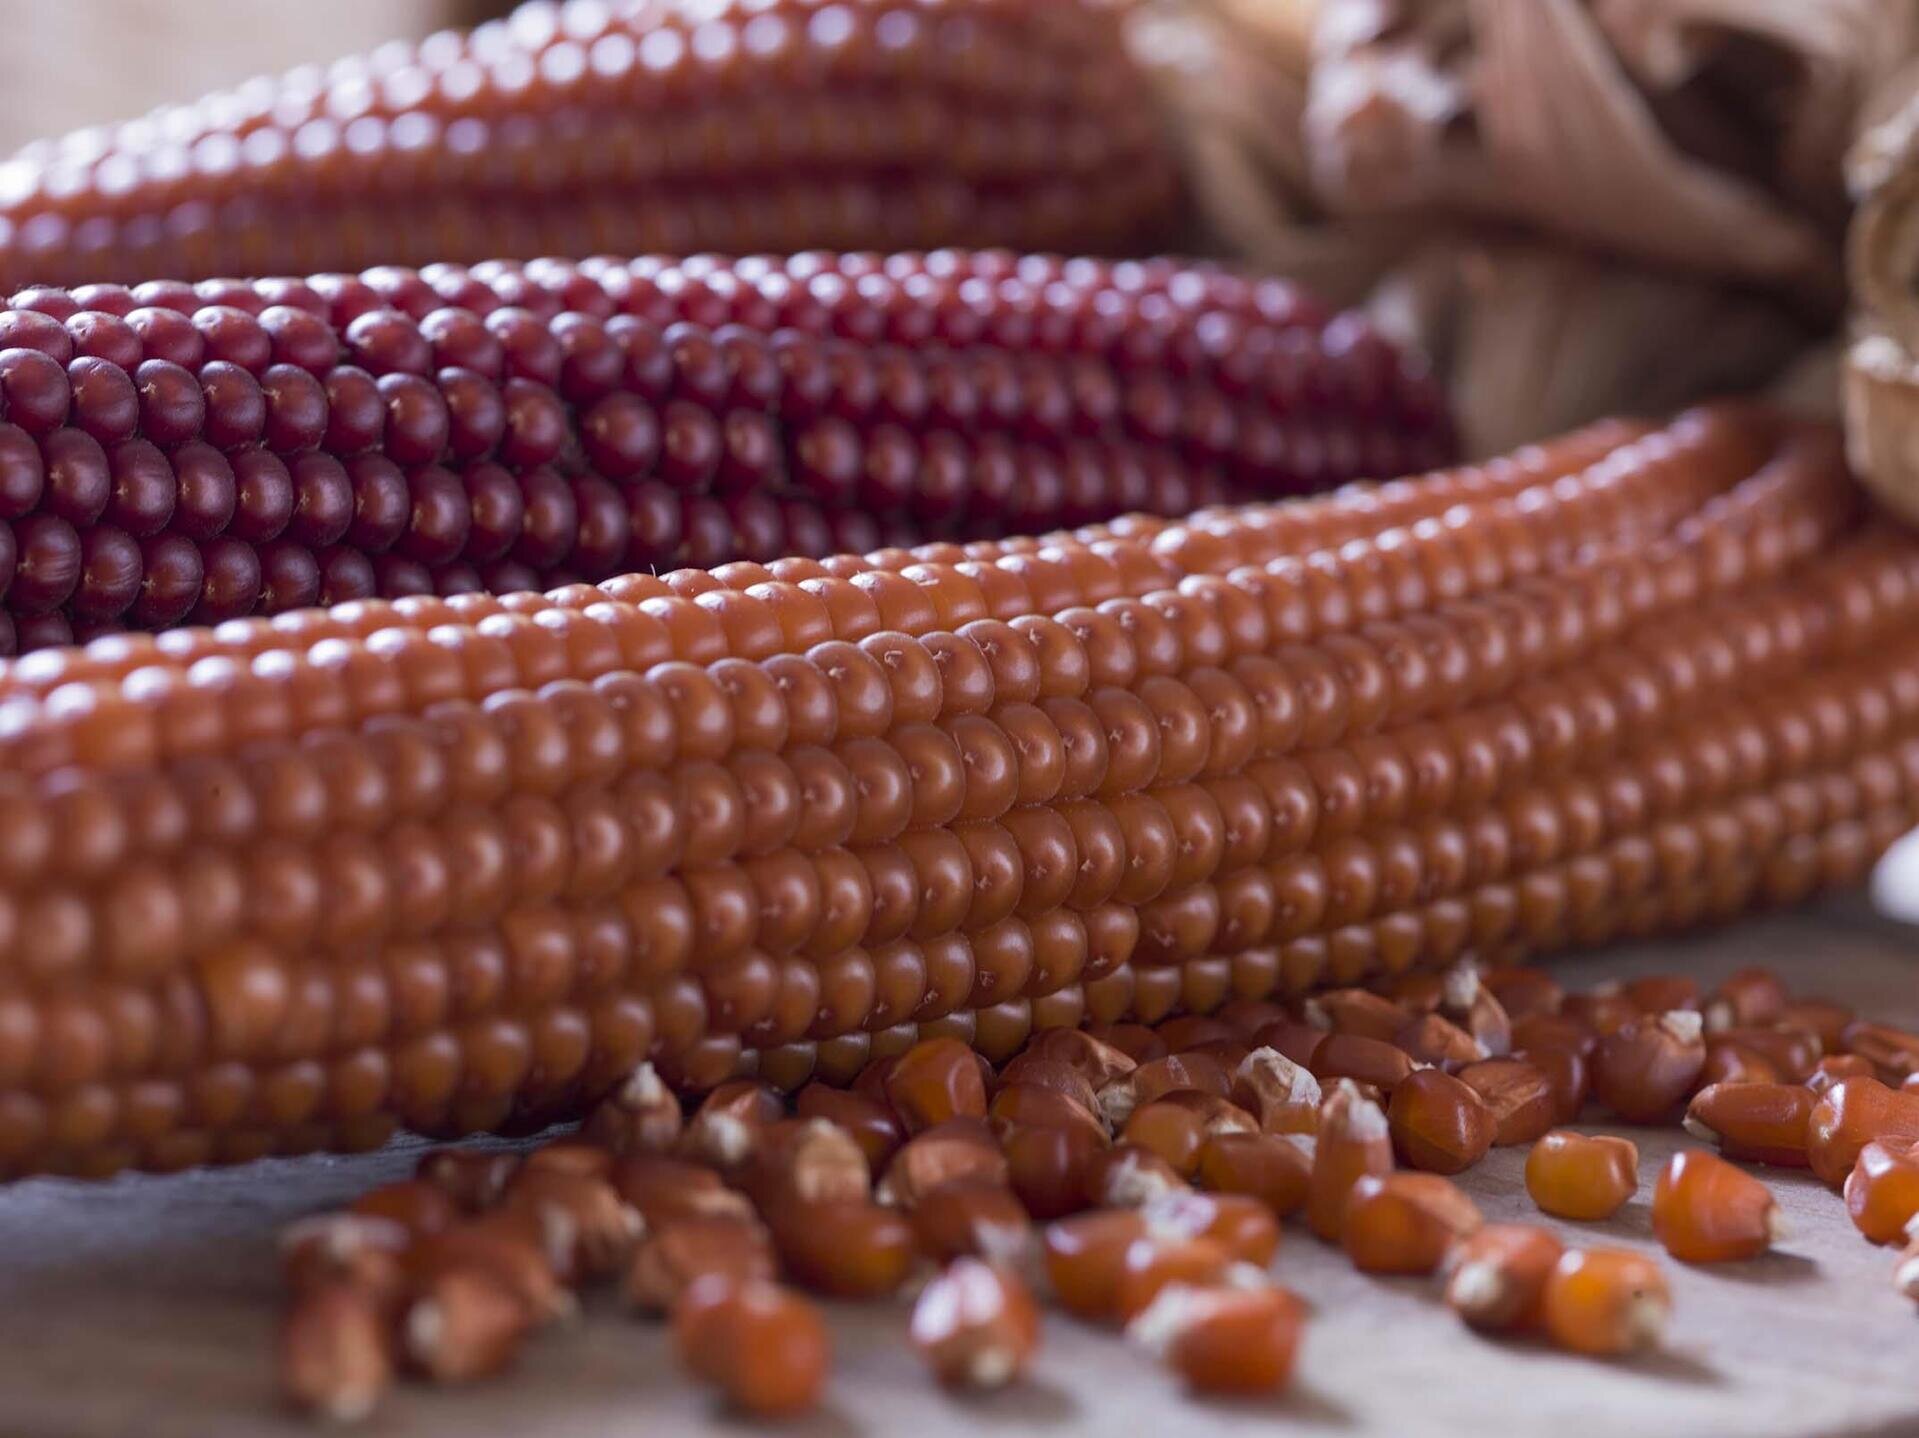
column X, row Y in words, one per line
column 1130, row 1176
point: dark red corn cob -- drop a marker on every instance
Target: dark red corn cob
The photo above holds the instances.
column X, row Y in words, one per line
column 194, row 453
column 591, row 127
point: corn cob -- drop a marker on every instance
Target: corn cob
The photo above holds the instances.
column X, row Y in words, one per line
column 474, row 645
column 178, row 452
column 588, row 128
column 293, row 883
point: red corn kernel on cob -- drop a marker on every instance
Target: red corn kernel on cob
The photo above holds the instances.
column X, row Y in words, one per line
column 221, row 450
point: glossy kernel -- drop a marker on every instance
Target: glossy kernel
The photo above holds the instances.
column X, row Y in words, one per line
column 1580, row 1176
column 1496, row 1278
column 1755, row 1122
column 1605, row 1302
column 765, row 1347
column 1405, row 1222
column 1704, row 1210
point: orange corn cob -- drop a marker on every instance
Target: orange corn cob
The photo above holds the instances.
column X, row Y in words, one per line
column 460, row 864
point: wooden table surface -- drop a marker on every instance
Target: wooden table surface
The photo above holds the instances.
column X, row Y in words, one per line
column 145, row 1307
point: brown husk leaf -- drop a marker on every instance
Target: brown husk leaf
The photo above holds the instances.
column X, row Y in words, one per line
column 1544, row 192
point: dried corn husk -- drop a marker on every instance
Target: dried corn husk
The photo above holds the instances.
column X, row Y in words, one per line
column 1558, row 197
column 1881, row 374
column 1538, row 339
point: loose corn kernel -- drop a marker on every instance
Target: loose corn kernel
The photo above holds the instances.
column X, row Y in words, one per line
column 1363, row 1060
column 1419, row 992
column 1128, row 1176
column 720, row 1132
column 1152, row 1263
column 1607, row 1302
column 1295, row 1041
column 463, row 1324
column 1580, row 1176
column 1661, row 993
column 765, row 1347
column 1824, row 1019
column 1729, row 1062
column 871, row 1125
column 335, row 1353
column 1283, row 1095
column 1524, row 992
column 1137, row 1042
column 1273, row 1168
column 1405, row 1222
column 1834, row 1067
column 1496, row 1278
column 1567, row 1076
column 1882, row 1192
column 603, row 1224
column 530, row 1258
column 1184, row 1033
column 1851, row 1114
column 1466, row 1000
column 1247, row 1017
column 1754, row 1122
column 1029, row 1072
column 1119, row 1096
column 641, row 1116
column 804, row 1160
column 579, row 1157
column 1439, row 1123
column 1175, row 1126
column 1051, row 1168
column 1751, row 996
column 1242, row 1225
column 1646, row 1067
column 1893, row 1052
column 974, row 1219
column 1792, row 1053
column 1169, row 1131
column 1354, row 1141
column 845, row 1249
column 1097, row 1062
column 473, row 1178
column 1518, row 1094
column 936, row 1080
column 672, row 1258
column 359, row 1251
column 1601, row 1011
column 976, row 1325
column 1555, row 1030
column 1085, row 1255
column 1357, row 1013
column 1706, row 1211
column 961, row 1148
column 1436, row 1039
column 1029, row 1104
column 1224, row 1340
column 420, row 1207
column 661, row 1189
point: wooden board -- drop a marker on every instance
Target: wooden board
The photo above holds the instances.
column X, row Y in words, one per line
column 146, row 1307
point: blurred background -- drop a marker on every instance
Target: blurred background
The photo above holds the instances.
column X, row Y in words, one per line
column 69, row 63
